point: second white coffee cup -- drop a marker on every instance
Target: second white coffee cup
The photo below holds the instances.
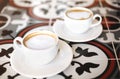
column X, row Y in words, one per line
column 79, row 20
column 38, row 48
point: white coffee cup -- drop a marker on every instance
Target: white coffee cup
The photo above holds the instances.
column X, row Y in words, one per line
column 79, row 20
column 38, row 48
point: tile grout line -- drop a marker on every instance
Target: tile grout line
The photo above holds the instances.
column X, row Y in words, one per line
column 51, row 21
column 53, row 3
column 101, row 59
column 117, row 59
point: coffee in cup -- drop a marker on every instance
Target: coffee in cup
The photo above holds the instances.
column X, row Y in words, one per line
column 39, row 41
column 78, row 14
column 38, row 48
column 79, row 20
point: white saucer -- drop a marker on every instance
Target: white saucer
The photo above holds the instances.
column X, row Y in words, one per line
column 60, row 30
column 60, row 63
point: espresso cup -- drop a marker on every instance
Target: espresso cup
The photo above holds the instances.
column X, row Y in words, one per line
column 38, row 48
column 79, row 20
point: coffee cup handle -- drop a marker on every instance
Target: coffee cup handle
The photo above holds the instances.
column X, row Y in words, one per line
column 18, row 42
column 98, row 22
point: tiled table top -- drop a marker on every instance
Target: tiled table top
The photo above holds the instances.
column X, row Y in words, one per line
column 95, row 59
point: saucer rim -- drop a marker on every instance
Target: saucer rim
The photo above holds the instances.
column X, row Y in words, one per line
column 75, row 40
column 48, row 75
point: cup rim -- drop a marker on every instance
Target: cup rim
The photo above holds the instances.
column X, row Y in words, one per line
column 78, row 8
column 27, row 37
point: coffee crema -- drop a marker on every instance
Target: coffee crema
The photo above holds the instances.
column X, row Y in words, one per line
column 39, row 41
column 78, row 14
